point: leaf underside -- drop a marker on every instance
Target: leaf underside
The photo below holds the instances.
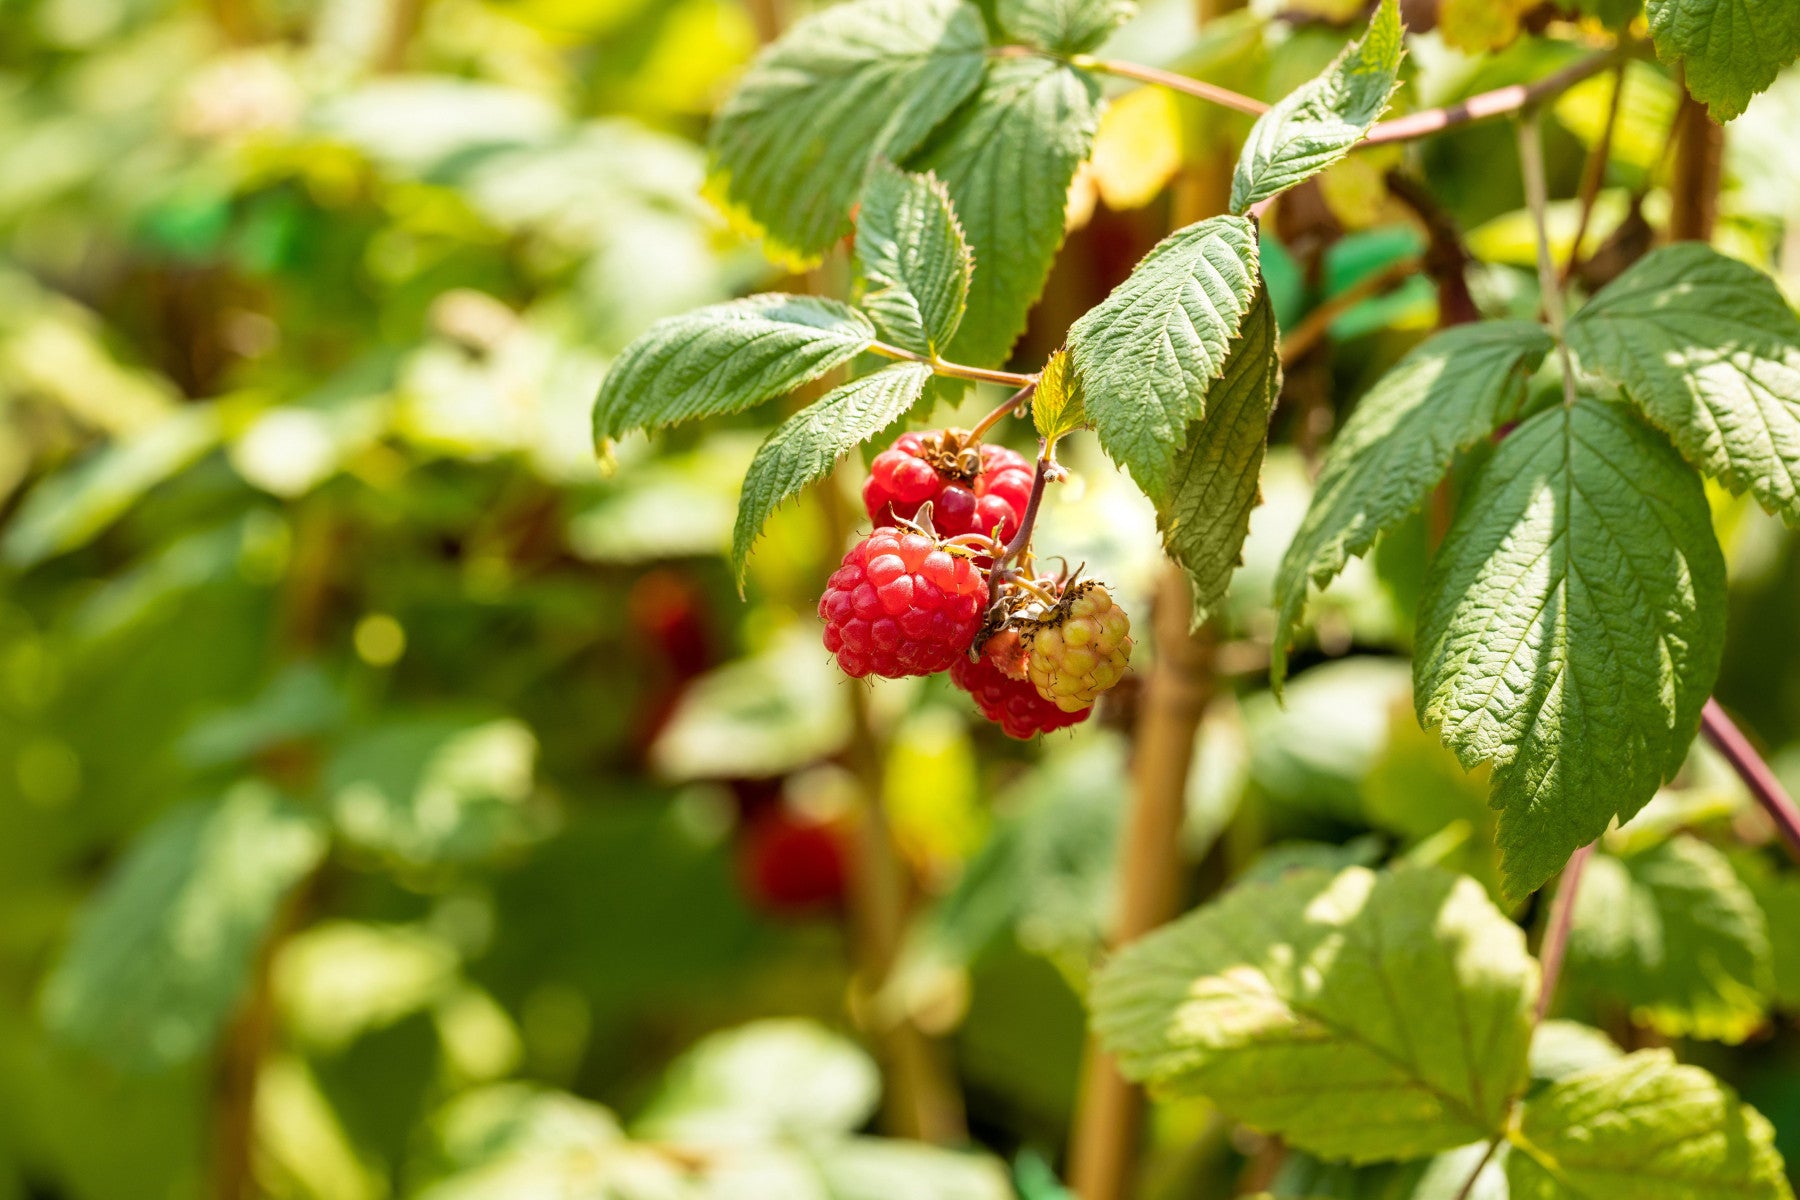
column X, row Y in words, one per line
column 1571, row 628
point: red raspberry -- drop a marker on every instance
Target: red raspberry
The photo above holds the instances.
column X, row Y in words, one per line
column 1013, row 704
column 901, row 605
column 971, row 489
column 791, row 866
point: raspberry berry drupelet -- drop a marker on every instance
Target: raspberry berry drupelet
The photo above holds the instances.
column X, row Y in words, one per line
column 902, row 604
column 1080, row 649
column 1012, row 704
column 972, row 488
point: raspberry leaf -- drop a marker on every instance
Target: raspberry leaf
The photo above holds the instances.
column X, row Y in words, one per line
column 1729, row 49
column 1643, row 1126
column 725, row 359
column 1149, row 354
column 1063, row 26
column 1675, row 938
column 808, row 445
column 1056, row 405
column 1709, row 349
column 1321, row 120
column 1008, row 157
column 1407, row 986
column 1571, row 628
column 165, row 949
column 1451, row 391
column 1214, row 484
column 850, row 84
column 914, row 259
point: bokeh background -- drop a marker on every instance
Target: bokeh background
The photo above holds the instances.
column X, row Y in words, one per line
column 394, row 803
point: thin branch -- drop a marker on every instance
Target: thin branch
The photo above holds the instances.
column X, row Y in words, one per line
column 1012, row 405
column 1312, row 328
column 1730, row 741
column 1593, row 171
column 955, row 370
column 1027, row 523
column 1531, row 165
column 1497, row 103
column 1562, row 920
column 1462, row 1193
column 1212, row 92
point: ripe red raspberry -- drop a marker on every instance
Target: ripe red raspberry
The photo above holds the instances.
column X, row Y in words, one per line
column 1080, row 650
column 1012, row 704
column 791, row 867
column 901, row 605
column 972, row 489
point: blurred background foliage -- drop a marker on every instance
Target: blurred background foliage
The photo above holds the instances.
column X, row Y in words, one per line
column 393, row 803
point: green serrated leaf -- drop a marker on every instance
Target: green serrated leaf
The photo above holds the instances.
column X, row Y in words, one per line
column 1729, row 49
column 1643, row 1128
column 1709, row 349
column 808, row 445
column 1675, row 938
column 724, row 359
column 1571, row 628
column 1318, row 123
column 165, row 948
column 1215, row 482
column 1359, row 1016
column 850, row 84
column 1008, row 157
column 1454, row 389
column 1063, row 26
column 914, row 259
column 1149, row 354
column 1057, row 408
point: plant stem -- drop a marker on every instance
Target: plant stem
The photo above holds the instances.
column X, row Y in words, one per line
column 1462, row 1193
column 1730, row 741
column 1312, row 328
column 1593, row 171
column 1212, row 92
column 1531, row 166
column 1000, row 414
column 1694, row 187
column 1180, row 684
column 1496, row 103
column 1027, row 523
column 954, row 370
column 1562, row 920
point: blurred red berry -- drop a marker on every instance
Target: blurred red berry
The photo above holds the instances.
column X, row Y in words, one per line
column 972, row 489
column 901, row 604
column 793, row 866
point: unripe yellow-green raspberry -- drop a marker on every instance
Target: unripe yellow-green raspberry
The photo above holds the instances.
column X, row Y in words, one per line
column 1081, row 650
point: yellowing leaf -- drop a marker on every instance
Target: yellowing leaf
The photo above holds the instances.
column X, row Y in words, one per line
column 1138, row 149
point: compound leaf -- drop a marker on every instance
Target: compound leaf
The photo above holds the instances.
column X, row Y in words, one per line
column 1673, row 936
column 1215, row 482
column 1710, row 350
column 808, row 444
column 1063, row 26
column 1008, row 157
column 1149, row 354
column 1571, row 628
column 914, row 259
column 1643, row 1128
column 1452, row 390
column 1359, row 1016
column 165, row 948
column 724, row 359
column 1729, row 49
column 1319, row 122
column 852, row 83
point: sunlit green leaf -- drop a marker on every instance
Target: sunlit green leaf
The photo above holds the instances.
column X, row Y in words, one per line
column 1063, row 26
column 1728, row 50
column 914, row 258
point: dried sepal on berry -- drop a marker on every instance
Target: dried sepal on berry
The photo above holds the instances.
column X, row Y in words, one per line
column 902, row 604
column 1080, row 649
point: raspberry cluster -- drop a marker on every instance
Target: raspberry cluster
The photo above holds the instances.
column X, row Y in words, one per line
column 901, row 604
column 912, row 600
column 1080, row 650
column 972, row 489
